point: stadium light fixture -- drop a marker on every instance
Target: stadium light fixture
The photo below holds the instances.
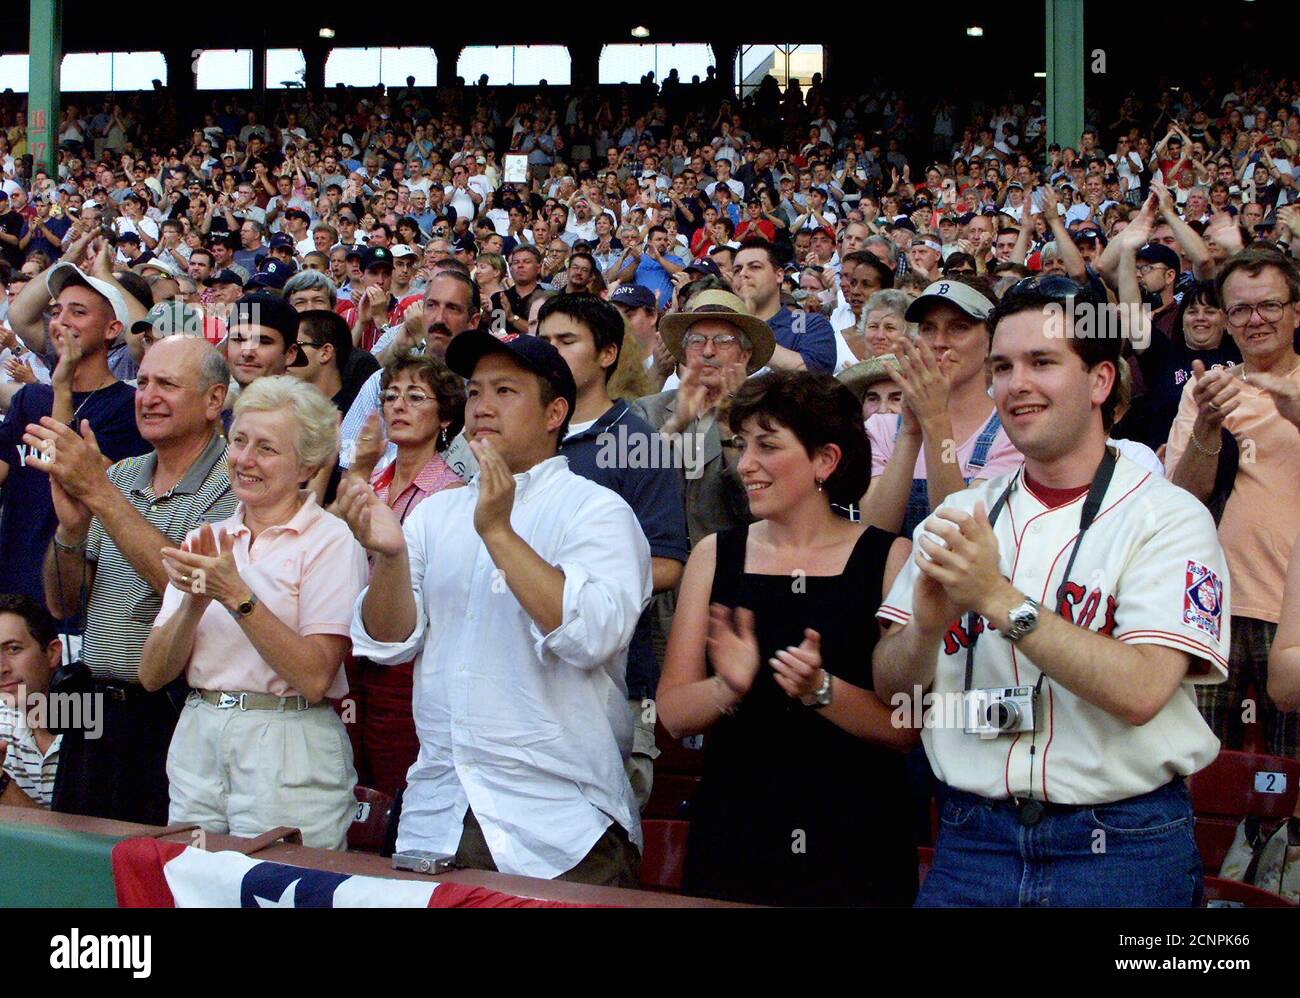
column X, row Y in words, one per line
column 975, row 31
column 640, row 31
column 327, row 32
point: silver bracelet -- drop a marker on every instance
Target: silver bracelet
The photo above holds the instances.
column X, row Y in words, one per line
column 70, row 548
column 718, row 681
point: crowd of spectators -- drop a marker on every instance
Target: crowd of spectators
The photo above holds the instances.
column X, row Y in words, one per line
column 405, row 438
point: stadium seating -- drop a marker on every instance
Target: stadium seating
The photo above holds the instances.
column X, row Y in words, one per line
column 1235, row 785
column 370, row 825
column 677, row 775
column 665, row 854
column 1234, row 894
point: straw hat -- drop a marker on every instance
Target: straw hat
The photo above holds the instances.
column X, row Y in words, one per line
column 864, row 374
column 727, row 307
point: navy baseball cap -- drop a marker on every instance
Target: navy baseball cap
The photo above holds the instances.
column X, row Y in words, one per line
column 261, row 308
column 1090, row 233
column 1160, row 253
column 634, row 296
column 273, row 274
column 705, row 266
column 226, row 276
column 282, row 239
column 533, row 352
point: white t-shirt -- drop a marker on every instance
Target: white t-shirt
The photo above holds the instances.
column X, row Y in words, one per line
column 144, row 227
column 1140, row 454
column 462, row 202
column 576, row 428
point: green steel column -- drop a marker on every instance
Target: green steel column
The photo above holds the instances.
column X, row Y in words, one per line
column 43, row 88
column 1064, row 71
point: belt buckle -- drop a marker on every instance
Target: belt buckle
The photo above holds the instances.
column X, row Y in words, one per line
column 227, row 701
column 1029, row 811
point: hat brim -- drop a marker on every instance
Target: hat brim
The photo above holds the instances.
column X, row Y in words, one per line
column 866, row 373
column 468, row 348
column 62, row 275
column 673, row 328
column 917, row 310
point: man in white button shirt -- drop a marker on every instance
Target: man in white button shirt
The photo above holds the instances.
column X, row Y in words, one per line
column 518, row 597
column 1077, row 797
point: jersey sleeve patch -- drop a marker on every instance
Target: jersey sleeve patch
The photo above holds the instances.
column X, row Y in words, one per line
column 1202, row 599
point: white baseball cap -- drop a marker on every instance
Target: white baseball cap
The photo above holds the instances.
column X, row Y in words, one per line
column 158, row 263
column 401, row 250
column 61, row 275
column 955, row 293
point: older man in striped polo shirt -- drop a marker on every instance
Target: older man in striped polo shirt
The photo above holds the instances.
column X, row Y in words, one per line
column 112, row 527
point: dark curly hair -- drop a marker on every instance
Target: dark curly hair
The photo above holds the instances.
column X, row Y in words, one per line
column 818, row 410
column 447, row 388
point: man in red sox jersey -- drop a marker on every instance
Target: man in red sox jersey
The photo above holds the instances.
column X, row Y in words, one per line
column 1080, row 798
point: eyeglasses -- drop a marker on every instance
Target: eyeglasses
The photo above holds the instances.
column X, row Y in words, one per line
column 696, row 341
column 1146, row 268
column 412, row 397
column 310, row 343
column 1269, row 311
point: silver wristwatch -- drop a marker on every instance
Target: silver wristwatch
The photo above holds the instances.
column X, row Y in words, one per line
column 1022, row 620
column 822, row 696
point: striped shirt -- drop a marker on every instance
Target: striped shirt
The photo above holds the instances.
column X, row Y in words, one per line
column 31, row 769
column 122, row 604
column 435, row 476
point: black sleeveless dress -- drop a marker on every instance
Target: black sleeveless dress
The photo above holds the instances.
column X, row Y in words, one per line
column 793, row 810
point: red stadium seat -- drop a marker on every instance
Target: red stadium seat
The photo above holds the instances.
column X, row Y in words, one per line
column 665, row 854
column 678, row 755
column 1234, row 893
column 924, row 860
column 670, row 797
column 1235, row 785
column 677, row 775
column 370, row 824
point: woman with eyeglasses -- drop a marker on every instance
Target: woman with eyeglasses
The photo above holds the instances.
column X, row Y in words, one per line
column 422, row 405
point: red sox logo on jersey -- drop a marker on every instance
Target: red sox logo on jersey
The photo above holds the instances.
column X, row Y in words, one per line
column 1079, row 605
column 1202, row 599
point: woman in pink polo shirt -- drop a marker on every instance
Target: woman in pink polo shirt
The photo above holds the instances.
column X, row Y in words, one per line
column 257, row 618
column 423, row 407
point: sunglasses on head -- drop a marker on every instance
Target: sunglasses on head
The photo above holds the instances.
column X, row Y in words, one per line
column 1053, row 288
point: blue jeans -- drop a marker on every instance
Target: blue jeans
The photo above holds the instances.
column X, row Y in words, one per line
column 1138, row 852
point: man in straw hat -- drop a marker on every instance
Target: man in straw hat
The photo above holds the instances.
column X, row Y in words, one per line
column 869, row 380
column 719, row 343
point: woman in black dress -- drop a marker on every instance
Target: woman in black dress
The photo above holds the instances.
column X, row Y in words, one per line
column 804, row 799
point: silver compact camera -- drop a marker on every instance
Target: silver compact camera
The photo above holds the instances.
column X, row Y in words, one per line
column 421, row 861
column 1000, row 711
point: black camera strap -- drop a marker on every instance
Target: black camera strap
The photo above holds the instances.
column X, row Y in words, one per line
column 1091, row 507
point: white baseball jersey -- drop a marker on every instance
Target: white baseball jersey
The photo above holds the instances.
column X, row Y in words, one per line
column 1148, row 571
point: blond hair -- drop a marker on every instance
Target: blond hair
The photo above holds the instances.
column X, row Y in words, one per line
column 630, row 380
column 317, row 439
